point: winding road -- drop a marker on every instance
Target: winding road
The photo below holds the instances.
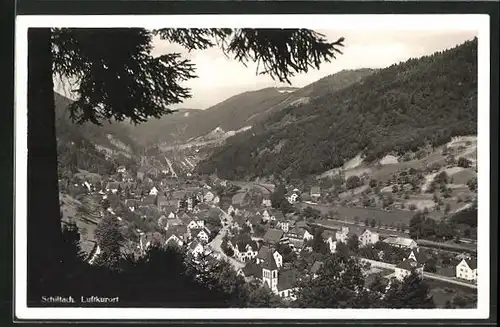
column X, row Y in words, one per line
column 217, row 241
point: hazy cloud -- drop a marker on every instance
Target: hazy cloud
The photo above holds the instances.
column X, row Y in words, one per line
column 220, row 77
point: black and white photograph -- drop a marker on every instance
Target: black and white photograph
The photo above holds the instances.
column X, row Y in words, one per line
column 228, row 166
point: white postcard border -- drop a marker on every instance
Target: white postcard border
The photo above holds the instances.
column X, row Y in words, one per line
column 480, row 23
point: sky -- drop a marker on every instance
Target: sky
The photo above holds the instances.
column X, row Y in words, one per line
column 220, row 78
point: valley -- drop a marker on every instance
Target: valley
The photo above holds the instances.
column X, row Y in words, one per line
column 364, row 163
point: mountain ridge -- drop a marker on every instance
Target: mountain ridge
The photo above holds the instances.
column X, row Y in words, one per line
column 396, row 109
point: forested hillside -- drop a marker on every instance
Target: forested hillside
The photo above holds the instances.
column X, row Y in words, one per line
column 89, row 147
column 394, row 110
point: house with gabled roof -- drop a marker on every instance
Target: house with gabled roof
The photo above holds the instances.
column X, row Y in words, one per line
column 467, row 269
column 299, row 233
column 405, row 268
column 285, row 224
column 201, row 234
column 250, row 271
column 180, row 231
column 173, row 240
column 368, row 238
column 196, row 223
column 419, row 255
column 154, row 191
column 196, row 248
column 244, row 248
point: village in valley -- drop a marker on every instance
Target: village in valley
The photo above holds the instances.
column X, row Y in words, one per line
column 246, row 223
column 358, row 190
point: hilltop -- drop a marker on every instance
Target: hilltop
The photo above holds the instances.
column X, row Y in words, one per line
column 237, row 113
column 394, row 111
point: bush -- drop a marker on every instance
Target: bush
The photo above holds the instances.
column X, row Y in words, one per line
column 353, row 182
column 463, row 162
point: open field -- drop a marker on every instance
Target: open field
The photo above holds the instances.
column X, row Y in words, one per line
column 348, row 214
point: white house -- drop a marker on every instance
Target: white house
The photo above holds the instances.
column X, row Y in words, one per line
column 342, row 235
column 467, row 269
column 266, row 216
column 121, row 169
column 332, row 244
column 368, row 237
column 172, row 215
column 174, row 240
column 244, row 251
column 406, row 267
column 194, row 224
column 202, row 234
column 266, row 251
column 216, row 200
column 196, row 248
column 153, row 191
column 293, row 198
column 401, row 242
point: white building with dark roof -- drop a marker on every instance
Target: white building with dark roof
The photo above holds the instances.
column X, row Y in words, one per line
column 467, row 269
column 406, row 267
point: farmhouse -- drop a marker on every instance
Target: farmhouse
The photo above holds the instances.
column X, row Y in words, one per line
column 368, row 237
column 467, row 269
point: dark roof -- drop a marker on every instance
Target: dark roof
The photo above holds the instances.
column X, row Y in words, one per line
column 193, row 244
column 278, row 215
column 316, row 267
column 287, row 279
column 409, row 264
column 178, row 230
column 472, row 263
column 273, row 236
column 263, row 252
column 240, row 220
column 269, row 262
column 420, row 255
column 252, row 269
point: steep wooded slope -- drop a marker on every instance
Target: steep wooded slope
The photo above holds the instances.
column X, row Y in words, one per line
column 400, row 108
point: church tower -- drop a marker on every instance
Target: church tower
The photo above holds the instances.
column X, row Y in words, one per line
column 270, row 272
